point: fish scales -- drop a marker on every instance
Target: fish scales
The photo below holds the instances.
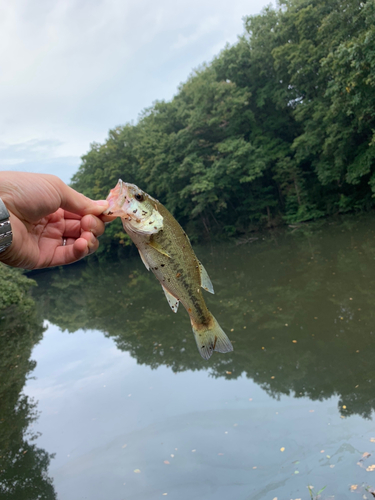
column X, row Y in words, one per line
column 181, row 281
column 165, row 249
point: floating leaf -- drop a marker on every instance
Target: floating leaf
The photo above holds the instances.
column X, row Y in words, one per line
column 137, row 471
column 282, row 449
column 166, row 462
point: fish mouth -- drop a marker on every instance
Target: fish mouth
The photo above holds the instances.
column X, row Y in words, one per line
column 116, row 200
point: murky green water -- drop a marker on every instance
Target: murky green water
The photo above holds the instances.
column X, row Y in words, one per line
column 116, row 402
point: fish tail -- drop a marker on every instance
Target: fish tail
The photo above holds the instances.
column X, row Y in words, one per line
column 210, row 338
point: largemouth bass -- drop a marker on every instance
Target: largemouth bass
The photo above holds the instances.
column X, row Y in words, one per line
column 165, row 248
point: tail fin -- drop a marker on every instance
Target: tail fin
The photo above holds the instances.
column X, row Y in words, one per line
column 211, row 338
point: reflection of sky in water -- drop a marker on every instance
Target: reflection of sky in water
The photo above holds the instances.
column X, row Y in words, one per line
column 95, row 399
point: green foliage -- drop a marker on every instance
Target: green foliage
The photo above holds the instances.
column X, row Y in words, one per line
column 14, row 288
column 278, row 127
column 313, row 495
column 23, row 465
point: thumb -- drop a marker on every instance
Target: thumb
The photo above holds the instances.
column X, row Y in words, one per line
column 75, row 202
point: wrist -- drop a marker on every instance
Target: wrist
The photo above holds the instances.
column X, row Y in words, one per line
column 6, row 235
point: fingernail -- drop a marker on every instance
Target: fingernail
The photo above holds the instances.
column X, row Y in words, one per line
column 101, row 203
column 94, row 223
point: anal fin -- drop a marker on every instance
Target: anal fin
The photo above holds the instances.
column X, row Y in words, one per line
column 172, row 301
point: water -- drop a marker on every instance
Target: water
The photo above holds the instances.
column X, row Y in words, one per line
column 121, row 406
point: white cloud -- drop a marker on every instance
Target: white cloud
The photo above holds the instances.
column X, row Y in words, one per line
column 72, row 69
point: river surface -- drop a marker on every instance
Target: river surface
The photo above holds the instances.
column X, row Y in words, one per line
column 124, row 408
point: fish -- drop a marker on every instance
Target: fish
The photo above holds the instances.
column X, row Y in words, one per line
column 165, row 249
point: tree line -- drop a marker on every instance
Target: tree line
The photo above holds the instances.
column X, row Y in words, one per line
column 278, row 128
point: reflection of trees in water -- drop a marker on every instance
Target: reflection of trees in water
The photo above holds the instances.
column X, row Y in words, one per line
column 23, row 466
column 320, row 283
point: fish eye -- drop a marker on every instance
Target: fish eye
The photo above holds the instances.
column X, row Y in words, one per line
column 139, row 197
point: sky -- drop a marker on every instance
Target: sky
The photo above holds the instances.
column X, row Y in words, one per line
column 70, row 70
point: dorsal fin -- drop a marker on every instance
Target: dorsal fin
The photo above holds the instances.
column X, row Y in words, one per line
column 205, row 279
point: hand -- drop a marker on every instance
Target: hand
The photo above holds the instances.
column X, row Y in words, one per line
column 45, row 213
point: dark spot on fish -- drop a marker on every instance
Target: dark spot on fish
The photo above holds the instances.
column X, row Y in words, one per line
column 203, row 346
column 109, row 213
column 169, row 279
column 162, row 265
column 178, row 275
column 155, row 227
column 156, row 268
column 136, row 210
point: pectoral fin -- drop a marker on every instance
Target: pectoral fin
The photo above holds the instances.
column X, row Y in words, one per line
column 172, row 301
column 158, row 248
column 205, row 279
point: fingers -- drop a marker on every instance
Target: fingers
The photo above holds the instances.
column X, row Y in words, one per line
column 74, row 249
column 108, row 218
column 93, row 224
column 90, row 223
column 75, row 202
